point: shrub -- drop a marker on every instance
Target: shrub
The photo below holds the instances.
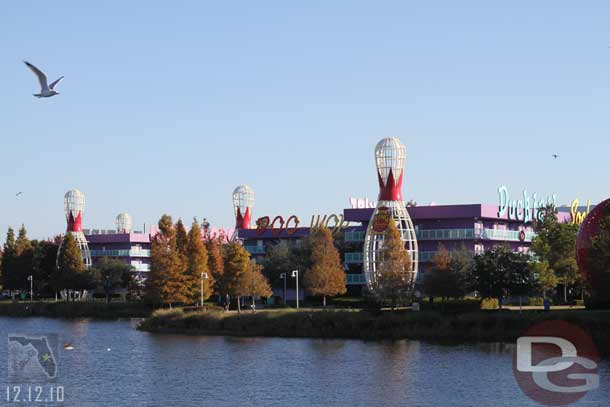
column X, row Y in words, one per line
column 490, row 303
column 536, row 301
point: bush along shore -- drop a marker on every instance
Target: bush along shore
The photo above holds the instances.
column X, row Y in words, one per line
column 481, row 326
column 77, row 309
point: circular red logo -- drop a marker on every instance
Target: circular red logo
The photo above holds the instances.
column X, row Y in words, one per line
column 381, row 220
column 556, row 363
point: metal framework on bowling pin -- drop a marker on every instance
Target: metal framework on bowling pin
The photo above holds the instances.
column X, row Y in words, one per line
column 390, row 157
column 243, row 203
column 74, row 206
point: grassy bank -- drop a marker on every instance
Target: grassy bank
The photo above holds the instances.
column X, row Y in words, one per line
column 427, row 325
column 69, row 310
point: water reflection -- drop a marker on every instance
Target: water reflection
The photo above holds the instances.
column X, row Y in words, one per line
column 143, row 369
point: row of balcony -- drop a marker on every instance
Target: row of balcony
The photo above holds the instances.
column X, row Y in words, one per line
column 455, row 234
column 121, row 253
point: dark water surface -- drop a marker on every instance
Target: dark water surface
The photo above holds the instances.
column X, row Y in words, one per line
column 115, row 365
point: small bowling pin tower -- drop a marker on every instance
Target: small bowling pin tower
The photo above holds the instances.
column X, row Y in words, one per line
column 243, row 203
column 74, row 206
column 123, row 223
column 390, row 157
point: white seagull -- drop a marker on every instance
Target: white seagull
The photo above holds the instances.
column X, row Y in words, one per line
column 46, row 91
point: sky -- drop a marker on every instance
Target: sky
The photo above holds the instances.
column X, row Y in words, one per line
column 167, row 106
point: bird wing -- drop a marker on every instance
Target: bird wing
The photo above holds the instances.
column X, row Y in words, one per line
column 52, row 85
column 42, row 78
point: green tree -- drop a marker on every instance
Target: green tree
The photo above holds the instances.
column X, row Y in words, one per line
column 111, row 275
column 499, row 273
column 166, row 283
column 440, row 281
column 394, row 282
column 450, row 275
column 8, row 260
column 325, row 277
column 22, row 244
column 278, row 260
column 236, row 263
column 44, row 266
column 197, row 265
column 555, row 244
column 461, row 265
column 598, row 270
column 71, row 274
column 547, row 280
column 253, row 283
column 22, row 263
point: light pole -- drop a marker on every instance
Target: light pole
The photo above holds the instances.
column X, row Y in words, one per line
column 295, row 274
column 203, row 275
column 31, row 280
column 283, row 277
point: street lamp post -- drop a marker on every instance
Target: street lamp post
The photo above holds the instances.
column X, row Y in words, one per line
column 203, row 275
column 31, row 280
column 295, row 274
column 283, row 277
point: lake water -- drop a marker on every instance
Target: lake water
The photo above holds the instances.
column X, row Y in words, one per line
column 113, row 364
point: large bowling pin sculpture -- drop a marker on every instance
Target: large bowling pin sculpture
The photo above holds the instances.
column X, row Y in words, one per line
column 390, row 157
column 243, row 203
column 74, row 206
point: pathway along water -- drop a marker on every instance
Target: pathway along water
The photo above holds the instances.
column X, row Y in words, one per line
column 113, row 364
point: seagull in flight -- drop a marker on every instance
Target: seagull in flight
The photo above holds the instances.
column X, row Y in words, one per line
column 46, row 91
column 555, row 156
column 18, row 193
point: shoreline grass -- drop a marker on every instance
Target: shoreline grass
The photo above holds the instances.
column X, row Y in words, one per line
column 432, row 326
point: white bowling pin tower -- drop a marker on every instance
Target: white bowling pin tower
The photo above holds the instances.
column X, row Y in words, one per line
column 74, row 206
column 124, row 223
column 390, row 157
column 243, row 204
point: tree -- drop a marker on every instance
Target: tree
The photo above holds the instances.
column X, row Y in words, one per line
column 278, row 260
column 236, row 263
column 22, row 244
column 325, row 277
column 394, row 282
column 547, row 280
column 112, row 274
column 253, row 283
column 181, row 238
column 450, row 274
column 599, row 262
column 166, row 283
column 216, row 266
column 71, row 273
column 499, row 273
column 461, row 265
column 8, row 259
column 197, row 265
column 44, row 266
column 22, row 262
column 555, row 244
column 439, row 281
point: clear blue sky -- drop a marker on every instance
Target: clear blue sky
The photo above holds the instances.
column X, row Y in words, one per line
column 167, row 106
